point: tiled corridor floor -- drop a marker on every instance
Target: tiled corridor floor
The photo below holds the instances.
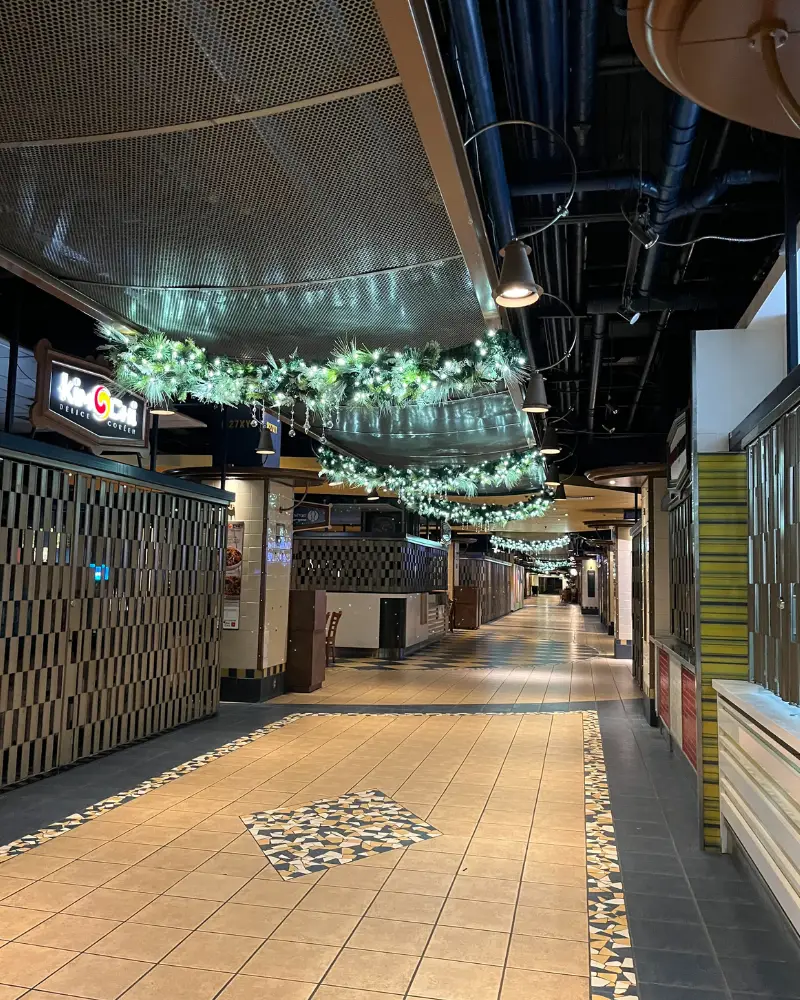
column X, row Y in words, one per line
column 504, row 885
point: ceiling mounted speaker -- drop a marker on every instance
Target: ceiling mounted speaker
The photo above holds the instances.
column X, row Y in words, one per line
column 739, row 59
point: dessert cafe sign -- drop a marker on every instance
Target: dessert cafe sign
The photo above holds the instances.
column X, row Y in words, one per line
column 78, row 399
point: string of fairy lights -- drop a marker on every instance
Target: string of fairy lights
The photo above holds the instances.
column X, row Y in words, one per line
column 167, row 371
column 525, row 547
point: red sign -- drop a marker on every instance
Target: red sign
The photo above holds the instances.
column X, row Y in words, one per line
column 689, row 715
column 663, row 686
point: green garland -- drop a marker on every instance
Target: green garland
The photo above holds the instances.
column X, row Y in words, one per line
column 546, row 566
column 520, row 545
column 424, row 490
column 423, row 482
column 164, row 371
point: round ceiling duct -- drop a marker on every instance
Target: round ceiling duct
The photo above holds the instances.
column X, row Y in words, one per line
column 740, row 60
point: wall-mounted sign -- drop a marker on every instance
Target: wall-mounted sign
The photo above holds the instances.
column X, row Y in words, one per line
column 79, row 400
column 678, row 452
column 311, row 515
column 234, row 555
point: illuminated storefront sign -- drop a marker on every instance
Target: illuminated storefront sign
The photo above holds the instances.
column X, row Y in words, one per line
column 78, row 400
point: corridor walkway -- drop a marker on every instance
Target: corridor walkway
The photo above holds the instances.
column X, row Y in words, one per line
column 446, row 828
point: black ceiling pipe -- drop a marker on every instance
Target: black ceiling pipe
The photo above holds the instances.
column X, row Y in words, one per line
column 584, row 59
column 474, row 64
column 719, row 184
column 683, row 118
column 709, row 298
column 589, row 183
column 598, row 336
column 618, row 63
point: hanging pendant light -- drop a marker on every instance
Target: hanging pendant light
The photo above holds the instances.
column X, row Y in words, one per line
column 550, row 443
column 535, row 395
column 266, row 445
column 551, row 476
column 517, row 287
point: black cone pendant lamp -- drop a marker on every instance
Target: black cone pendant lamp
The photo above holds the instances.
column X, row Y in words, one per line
column 535, row 395
column 517, row 287
column 266, row 445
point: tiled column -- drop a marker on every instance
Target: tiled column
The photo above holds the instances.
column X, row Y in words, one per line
column 623, row 625
column 277, row 581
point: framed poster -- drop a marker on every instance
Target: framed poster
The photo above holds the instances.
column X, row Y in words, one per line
column 234, row 556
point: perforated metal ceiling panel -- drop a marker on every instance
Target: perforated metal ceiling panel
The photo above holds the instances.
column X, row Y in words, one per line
column 123, row 176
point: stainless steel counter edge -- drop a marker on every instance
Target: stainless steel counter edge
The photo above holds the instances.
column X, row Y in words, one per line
column 665, row 643
column 29, row 449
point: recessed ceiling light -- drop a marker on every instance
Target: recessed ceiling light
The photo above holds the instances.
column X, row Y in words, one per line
column 612, row 482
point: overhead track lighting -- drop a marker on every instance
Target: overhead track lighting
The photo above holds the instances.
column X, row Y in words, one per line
column 550, row 444
column 535, row 400
column 517, row 286
column 642, row 232
column 266, row 446
column 374, row 495
column 161, row 411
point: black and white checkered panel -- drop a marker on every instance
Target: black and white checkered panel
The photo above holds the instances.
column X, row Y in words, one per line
column 37, row 517
column 367, row 565
column 109, row 614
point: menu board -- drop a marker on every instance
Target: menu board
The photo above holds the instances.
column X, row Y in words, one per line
column 234, row 554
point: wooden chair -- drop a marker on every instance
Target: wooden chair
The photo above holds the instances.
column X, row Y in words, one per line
column 332, row 623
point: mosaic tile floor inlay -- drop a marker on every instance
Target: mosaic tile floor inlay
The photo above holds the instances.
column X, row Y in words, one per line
column 333, row 832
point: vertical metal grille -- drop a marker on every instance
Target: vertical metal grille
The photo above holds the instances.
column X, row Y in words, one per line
column 773, row 470
column 637, row 605
column 109, row 614
column 681, row 572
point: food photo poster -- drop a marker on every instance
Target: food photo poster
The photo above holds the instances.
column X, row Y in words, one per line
column 234, row 547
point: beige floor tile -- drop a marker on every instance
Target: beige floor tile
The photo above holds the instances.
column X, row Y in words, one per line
column 291, row 960
column 244, row 844
column 215, row 952
column 251, row 921
column 372, row 970
column 29, row 964
column 422, row 883
column 486, row 890
column 316, row 928
column 418, row 861
column 121, row 854
column 335, row 899
column 406, row 906
column 149, row 834
column 383, row 859
column 95, row 977
column 539, row 954
column 199, row 885
column 468, row 944
column 9, row 886
column 540, row 922
column 12, row 992
column 259, row 988
column 138, row 879
column 440, row 979
column 354, row 876
column 83, row 872
column 400, row 937
column 101, row 829
column 111, row 904
column 241, row 865
column 270, row 892
column 446, row 844
column 204, row 840
column 51, row 896
column 139, row 942
column 499, row 831
column 343, row 993
column 65, row 931
column 553, row 897
column 177, row 858
column 174, row 983
column 15, row 920
column 483, row 848
column 557, row 854
column 493, row 868
column 547, row 874
column 176, row 911
column 478, row 915
column 67, row 847
column 519, row 984
column 32, row 865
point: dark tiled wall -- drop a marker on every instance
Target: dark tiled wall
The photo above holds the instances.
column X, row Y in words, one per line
column 367, row 565
column 109, row 614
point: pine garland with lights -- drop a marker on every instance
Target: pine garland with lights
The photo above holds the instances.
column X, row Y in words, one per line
column 424, row 490
column 423, row 481
column 525, row 547
column 166, row 371
column 546, row 566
